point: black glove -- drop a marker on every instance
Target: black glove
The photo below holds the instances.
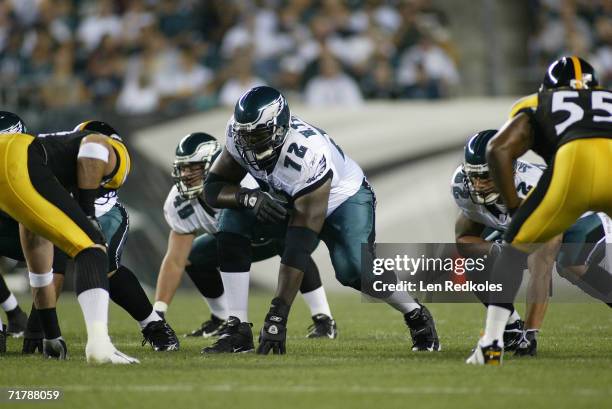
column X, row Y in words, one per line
column 31, row 345
column 273, row 335
column 267, row 209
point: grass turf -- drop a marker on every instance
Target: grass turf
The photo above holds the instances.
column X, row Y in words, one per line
column 369, row 365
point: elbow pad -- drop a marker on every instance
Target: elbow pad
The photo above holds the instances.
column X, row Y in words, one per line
column 300, row 242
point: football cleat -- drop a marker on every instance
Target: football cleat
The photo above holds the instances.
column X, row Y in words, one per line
column 322, row 327
column 102, row 351
column 486, row 355
column 3, row 341
column 17, row 323
column 528, row 344
column 208, row 328
column 513, row 334
column 234, row 337
column 160, row 336
column 422, row 330
column 55, row 348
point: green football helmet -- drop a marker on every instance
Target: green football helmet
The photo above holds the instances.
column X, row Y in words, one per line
column 194, row 156
column 260, row 125
column 11, row 123
column 476, row 168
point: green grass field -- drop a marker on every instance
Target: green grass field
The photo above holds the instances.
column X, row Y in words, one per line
column 369, row 366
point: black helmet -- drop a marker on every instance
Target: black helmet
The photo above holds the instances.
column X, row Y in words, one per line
column 197, row 148
column 475, row 166
column 570, row 72
column 11, row 123
column 99, row 127
column 260, row 125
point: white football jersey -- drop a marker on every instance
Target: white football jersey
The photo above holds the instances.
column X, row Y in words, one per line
column 496, row 215
column 194, row 216
column 306, row 159
column 105, row 203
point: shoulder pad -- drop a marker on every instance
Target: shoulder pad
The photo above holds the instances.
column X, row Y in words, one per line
column 528, row 102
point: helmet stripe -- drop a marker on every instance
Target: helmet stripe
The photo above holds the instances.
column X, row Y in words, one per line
column 577, row 71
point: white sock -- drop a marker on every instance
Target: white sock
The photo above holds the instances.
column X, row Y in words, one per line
column 160, row 306
column 1, row 327
column 218, row 306
column 514, row 317
column 154, row 316
column 94, row 304
column 317, row 302
column 10, row 303
column 236, row 287
column 402, row 302
column 497, row 317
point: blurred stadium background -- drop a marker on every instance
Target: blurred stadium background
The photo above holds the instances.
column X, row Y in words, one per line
column 400, row 84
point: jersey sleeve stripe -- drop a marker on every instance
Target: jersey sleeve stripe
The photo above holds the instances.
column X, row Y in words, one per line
column 123, row 168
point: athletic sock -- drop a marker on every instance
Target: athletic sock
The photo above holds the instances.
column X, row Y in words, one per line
column 34, row 327
column 497, row 317
column 10, row 303
column 317, row 302
column 4, row 290
column 125, row 291
column 514, row 317
column 49, row 323
column 218, row 306
column 237, row 294
column 154, row 316
column 402, row 301
column 94, row 304
column 600, row 280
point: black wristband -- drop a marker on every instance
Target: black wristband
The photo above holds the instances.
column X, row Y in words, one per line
column 300, row 242
column 87, row 198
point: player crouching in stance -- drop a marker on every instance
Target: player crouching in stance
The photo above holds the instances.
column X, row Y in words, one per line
column 36, row 176
column 192, row 246
column 569, row 125
column 124, row 288
column 330, row 199
column 484, row 219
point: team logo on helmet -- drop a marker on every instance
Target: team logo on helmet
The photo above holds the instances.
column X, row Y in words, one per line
column 194, row 156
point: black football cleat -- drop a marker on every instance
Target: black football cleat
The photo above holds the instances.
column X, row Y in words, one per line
column 208, row 328
column 513, row 334
column 160, row 336
column 486, row 355
column 3, row 341
column 235, row 337
column 17, row 323
column 528, row 345
column 322, row 327
column 55, row 348
column 422, row 330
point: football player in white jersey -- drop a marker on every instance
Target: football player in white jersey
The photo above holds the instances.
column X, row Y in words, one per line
column 328, row 198
column 192, row 247
column 483, row 219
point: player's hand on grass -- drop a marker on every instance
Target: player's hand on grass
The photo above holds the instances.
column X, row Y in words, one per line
column 273, row 335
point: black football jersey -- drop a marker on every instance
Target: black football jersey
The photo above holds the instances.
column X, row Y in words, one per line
column 562, row 116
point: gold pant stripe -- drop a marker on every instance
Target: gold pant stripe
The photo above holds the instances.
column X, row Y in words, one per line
column 22, row 201
column 581, row 181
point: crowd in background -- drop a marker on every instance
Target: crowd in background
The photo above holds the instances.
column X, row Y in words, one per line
column 581, row 27
column 145, row 56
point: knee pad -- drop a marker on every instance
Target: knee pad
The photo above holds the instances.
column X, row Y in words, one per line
column 91, row 268
column 234, row 252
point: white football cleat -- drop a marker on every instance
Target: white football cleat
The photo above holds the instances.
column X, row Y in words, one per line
column 486, row 355
column 104, row 352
